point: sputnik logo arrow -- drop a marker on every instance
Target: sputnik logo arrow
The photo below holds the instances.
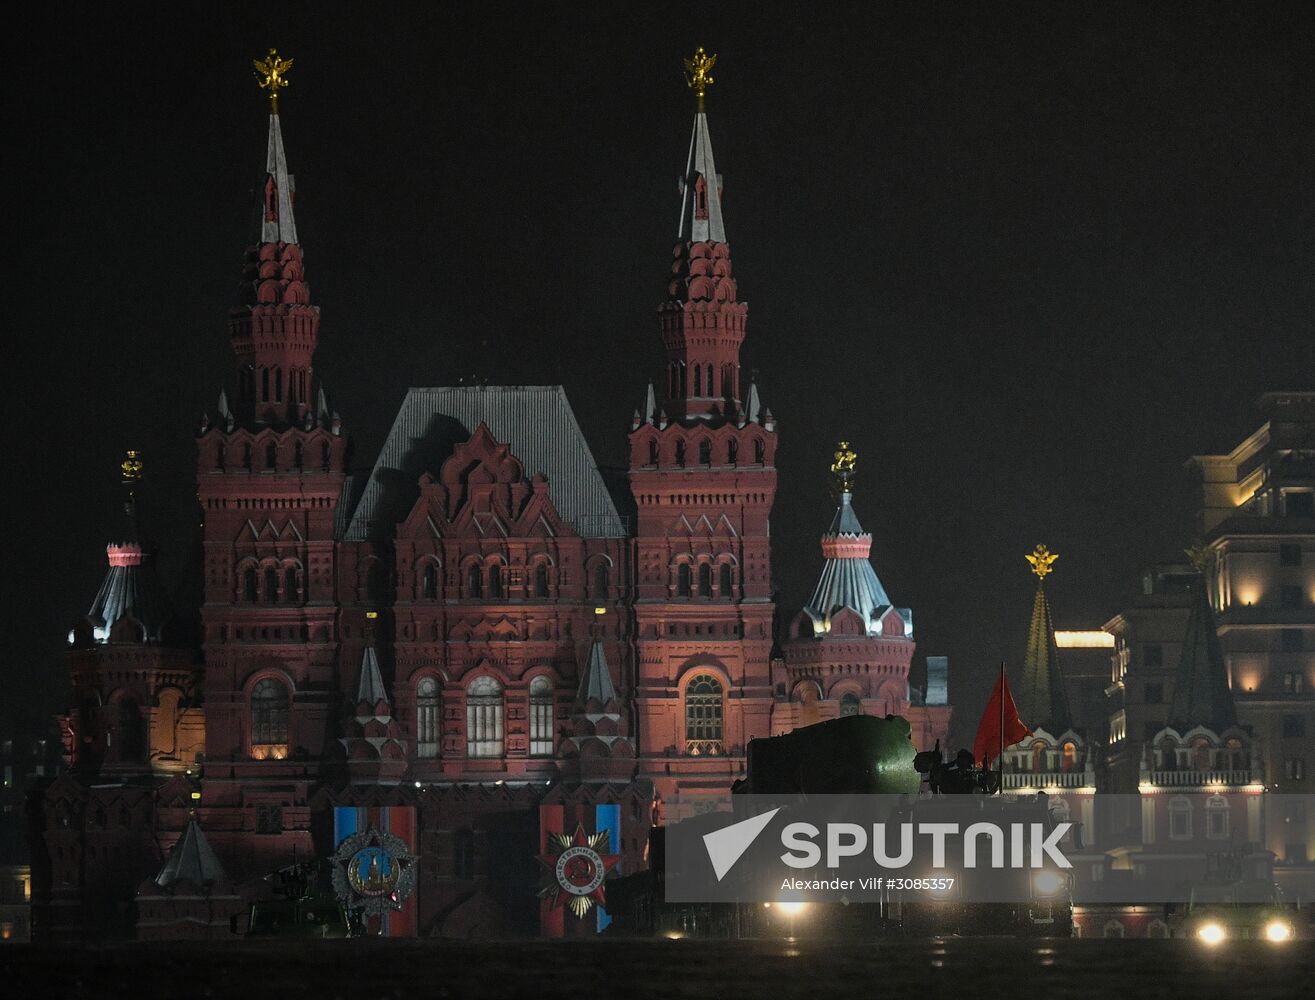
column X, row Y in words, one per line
column 726, row 845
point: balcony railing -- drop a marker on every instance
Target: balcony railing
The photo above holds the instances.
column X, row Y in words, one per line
column 1044, row 779
column 704, row 748
column 1197, row 779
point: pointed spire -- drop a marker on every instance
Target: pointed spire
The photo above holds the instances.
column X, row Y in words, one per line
column 192, row 859
column 596, row 684
column 279, row 225
column 700, row 206
column 650, row 404
column 322, row 409
column 1042, row 696
column 755, row 404
column 370, row 686
column 1201, row 695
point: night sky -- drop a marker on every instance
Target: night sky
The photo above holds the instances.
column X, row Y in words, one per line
column 1026, row 258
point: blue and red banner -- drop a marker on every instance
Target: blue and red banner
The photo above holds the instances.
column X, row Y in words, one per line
column 400, row 821
column 579, row 844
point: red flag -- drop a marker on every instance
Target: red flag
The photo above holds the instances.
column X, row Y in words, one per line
column 1000, row 717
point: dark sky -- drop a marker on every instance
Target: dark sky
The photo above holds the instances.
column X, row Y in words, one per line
column 1027, row 258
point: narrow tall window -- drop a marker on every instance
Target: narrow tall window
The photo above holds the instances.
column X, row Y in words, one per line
column 290, row 585
column 131, row 730
column 705, row 452
column 705, row 580
column 703, row 716
column 541, row 717
column 484, row 718
column 602, row 581
column 278, row 385
column 652, row 453
column 495, row 580
column 698, row 380
column 427, row 718
column 759, row 452
column 680, row 452
column 374, row 582
column 682, row 580
column 250, row 588
column 732, row 451
column 298, row 454
column 271, row 587
column 264, row 385
column 271, row 455
column 541, row 580
column 474, row 581
column 724, row 584
column 269, row 720
column 429, row 582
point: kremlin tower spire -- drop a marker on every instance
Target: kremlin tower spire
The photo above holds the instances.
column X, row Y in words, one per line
column 1201, row 694
column 702, row 321
column 274, row 331
column 1042, row 699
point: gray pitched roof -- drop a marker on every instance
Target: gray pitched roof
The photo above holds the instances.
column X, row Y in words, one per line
column 700, row 162
column 1201, row 695
column 850, row 581
column 535, row 420
column 130, row 590
column 193, row 859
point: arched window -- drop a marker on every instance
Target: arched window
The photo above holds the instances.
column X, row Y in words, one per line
column 732, row 451
column 474, row 581
column 326, row 453
column 1157, row 929
column 495, row 580
column 298, row 454
column 705, row 452
column 250, row 588
column 541, row 579
column 269, row 720
column 429, row 582
column 290, row 585
column 759, row 452
column 131, row 730
column 271, row 586
column 427, row 718
column 1038, row 758
column 484, row 718
column 680, row 452
column 698, row 380
column 219, row 456
column 703, row 723
column 541, row 717
column 278, row 385
column 602, row 581
column 682, row 580
column 1070, row 759
column 1113, row 929
column 1216, row 818
column 705, row 580
column 850, row 704
column 246, row 456
column 264, row 385
column 652, row 453
column 1180, row 819
column 724, row 584
column 271, row 455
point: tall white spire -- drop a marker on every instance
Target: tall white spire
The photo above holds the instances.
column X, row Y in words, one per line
column 280, row 225
column 700, row 206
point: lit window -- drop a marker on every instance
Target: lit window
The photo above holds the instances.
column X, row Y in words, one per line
column 269, row 720
column 703, row 715
column 850, row 704
column 484, row 718
column 541, row 717
column 427, row 718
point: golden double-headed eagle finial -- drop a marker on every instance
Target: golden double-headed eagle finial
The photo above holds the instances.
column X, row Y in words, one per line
column 131, row 467
column 1200, row 557
column 843, row 466
column 698, row 72
column 1041, row 558
column 270, row 76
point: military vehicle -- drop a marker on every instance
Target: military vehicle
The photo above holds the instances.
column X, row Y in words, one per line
column 301, row 907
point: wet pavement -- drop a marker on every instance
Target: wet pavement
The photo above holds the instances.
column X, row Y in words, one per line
column 639, row 969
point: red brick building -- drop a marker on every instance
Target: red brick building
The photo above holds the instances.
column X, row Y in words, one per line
column 481, row 624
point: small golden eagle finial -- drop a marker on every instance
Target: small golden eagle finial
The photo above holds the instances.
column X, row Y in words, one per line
column 131, row 467
column 698, row 73
column 270, row 75
column 1041, row 558
column 1200, row 556
column 843, row 466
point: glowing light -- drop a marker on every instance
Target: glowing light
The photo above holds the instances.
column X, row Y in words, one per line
column 791, row 909
column 673, row 935
column 196, row 796
column 1211, row 933
column 1145, row 786
column 600, row 611
column 1278, row 930
column 1084, row 639
column 1047, row 883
